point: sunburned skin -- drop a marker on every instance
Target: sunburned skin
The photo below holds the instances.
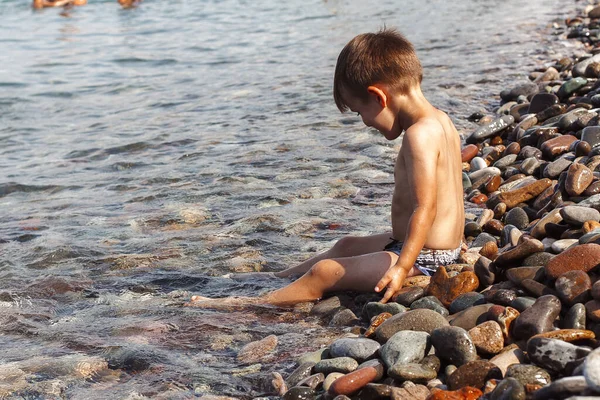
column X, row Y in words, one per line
column 57, row 3
column 129, row 3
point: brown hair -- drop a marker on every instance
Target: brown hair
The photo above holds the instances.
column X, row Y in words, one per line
column 382, row 57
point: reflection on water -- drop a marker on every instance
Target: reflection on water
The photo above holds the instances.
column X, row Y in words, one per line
column 145, row 153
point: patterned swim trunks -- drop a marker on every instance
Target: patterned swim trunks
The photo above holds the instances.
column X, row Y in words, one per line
column 428, row 260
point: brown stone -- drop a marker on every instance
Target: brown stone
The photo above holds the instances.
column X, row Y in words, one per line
column 493, row 227
column 447, row 289
column 539, row 230
column 513, row 148
column 479, row 199
column 354, row 381
column 557, row 146
column 510, row 355
column 418, row 281
column 593, row 189
column 520, row 195
column 489, row 250
column 519, row 274
column 493, row 184
column 523, row 250
column 474, row 374
column 568, row 335
column 589, row 226
column 375, row 322
column 504, row 317
column 573, row 287
column 466, row 393
column 584, row 257
column 254, row 351
column 487, row 337
column 468, row 152
column 592, row 310
column 410, row 392
column 499, row 210
column 536, row 288
column 579, row 178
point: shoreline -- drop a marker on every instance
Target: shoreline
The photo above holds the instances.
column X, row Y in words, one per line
column 518, row 318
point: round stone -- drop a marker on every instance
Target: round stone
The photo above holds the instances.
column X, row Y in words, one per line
column 422, row 320
column 583, row 257
column 591, row 370
column 487, row 337
column 573, row 287
column 300, row 393
column 413, row 372
column 375, row 308
column 360, row 349
column 338, row 364
column 522, row 303
column 407, row 295
column 431, row 303
column 405, row 347
column 508, row 389
column 465, row 301
column 474, row 374
column 528, row 374
column 554, row 355
column 538, row 318
column 575, row 317
column 517, row 217
column 453, row 345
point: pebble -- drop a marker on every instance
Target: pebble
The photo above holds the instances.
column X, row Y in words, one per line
column 596, row 290
column 303, row 371
column 577, row 215
column 554, row 355
column 558, row 246
column 522, row 303
column 360, row 349
column 474, row 374
column 300, row 393
column 517, row 217
column 490, row 129
column 413, row 372
column 344, row 317
column 465, row 301
column 528, row 374
column 575, row 317
column 508, row 389
column 465, row 393
column 520, row 195
column 510, row 355
column 487, row 337
column 338, row 364
column 453, row 345
column 374, row 308
column 314, row 356
column 523, row 250
column 592, row 309
column 447, row 288
column 471, row 317
column 375, row 322
column 591, row 370
column 579, row 178
column 407, row 295
column 423, row 320
column 583, row 257
column 405, row 347
column 538, row 318
column 568, row 335
column 353, row 381
column 329, row 379
column 431, row 303
column 573, row 287
column 312, row 381
column 562, row 388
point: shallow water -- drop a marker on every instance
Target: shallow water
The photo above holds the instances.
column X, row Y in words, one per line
column 147, row 152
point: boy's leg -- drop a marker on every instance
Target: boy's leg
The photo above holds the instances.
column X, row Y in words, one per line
column 360, row 273
column 348, row 246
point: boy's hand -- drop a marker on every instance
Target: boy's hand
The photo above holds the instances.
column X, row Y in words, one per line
column 393, row 279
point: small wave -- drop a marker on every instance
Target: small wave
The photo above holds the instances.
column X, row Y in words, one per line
column 12, row 187
column 60, row 95
column 13, row 84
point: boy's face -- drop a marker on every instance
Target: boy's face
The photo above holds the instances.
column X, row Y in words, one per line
column 375, row 115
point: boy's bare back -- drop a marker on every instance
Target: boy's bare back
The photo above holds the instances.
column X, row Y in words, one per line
column 428, row 168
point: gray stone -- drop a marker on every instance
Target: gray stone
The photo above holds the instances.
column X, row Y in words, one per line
column 360, row 349
column 575, row 317
column 505, row 161
column 592, row 201
column 413, row 372
column 562, row 388
column 579, row 68
column 557, row 166
column 508, row 389
column 491, row 129
column 477, row 164
column 558, row 246
column 470, row 317
column 482, row 239
column 374, row 308
column 538, row 318
column 453, row 345
column 422, row 320
column 409, row 294
column 522, row 89
column 486, row 172
column 338, row 364
column 555, row 355
column 571, row 86
column 466, row 300
column 300, row 373
column 591, row 370
column 517, row 217
column 300, row 393
column 529, row 165
column 591, row 134
column 541, row 101
column 537, row 259
column 576, row 215
column 430, row 303
column 344, row 317
column 405, row 347
column 528, row 374
column 522, row 303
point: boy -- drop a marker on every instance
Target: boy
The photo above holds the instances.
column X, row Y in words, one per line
column 378, row 76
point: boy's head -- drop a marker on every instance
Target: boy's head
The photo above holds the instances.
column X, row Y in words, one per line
column 385, row 57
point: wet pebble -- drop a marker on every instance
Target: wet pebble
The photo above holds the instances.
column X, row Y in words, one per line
column 405, row 347
column 413, row 372
column 508, row 389
column 447, row 288
column 453, row 345
column 591, row 370
column 465, row 301
column 338, row 364
column 255, row 351
column 555, row 355
column 474, row 374
column 528, row 374
column 374, row 308
column 573, row 287
column 360, row 349
column 431, row 303
column 423, row 320
column 538, row 318
column 562, row 388
column 300, row 393
column 487, row 337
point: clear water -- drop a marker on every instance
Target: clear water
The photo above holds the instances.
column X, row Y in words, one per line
column 144, row 153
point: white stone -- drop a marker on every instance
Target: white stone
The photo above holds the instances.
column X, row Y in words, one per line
column 591, row 370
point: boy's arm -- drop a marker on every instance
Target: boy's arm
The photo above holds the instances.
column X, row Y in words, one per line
column 421, row 151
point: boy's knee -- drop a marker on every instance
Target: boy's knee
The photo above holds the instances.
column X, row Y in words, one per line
column 347, row 244
column 326, row 270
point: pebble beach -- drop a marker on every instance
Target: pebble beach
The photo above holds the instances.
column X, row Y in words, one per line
column 518, row 317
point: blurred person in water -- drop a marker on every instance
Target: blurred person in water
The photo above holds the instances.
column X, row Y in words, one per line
column 69, row 3
column 378, row 76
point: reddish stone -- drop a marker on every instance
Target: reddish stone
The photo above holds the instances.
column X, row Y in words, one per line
column 447, row 289
column 468, row 152
column 489, row 250
column 568, row 335
column 354, row 381
column 479, row 199
column 584, row 257
column 557, row 146
column 573, row 287
column 504, row 317
column 474, row 374
column 493, row 184
column 579, row 178
column 513, row 148
column 466, row 393
column 520, row 195
column 523, row 250
column 493, row 227
column 592, row 309
column 487, row 337
column 375, row 322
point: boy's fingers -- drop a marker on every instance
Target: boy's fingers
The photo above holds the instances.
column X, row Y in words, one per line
column 387, row 296
column 382, row 283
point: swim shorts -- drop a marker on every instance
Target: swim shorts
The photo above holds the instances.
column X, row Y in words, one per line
column 428, row 260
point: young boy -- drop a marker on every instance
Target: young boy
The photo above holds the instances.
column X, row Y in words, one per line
column 378, row 76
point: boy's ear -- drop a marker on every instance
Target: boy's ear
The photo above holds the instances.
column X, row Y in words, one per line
column 380, row 93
